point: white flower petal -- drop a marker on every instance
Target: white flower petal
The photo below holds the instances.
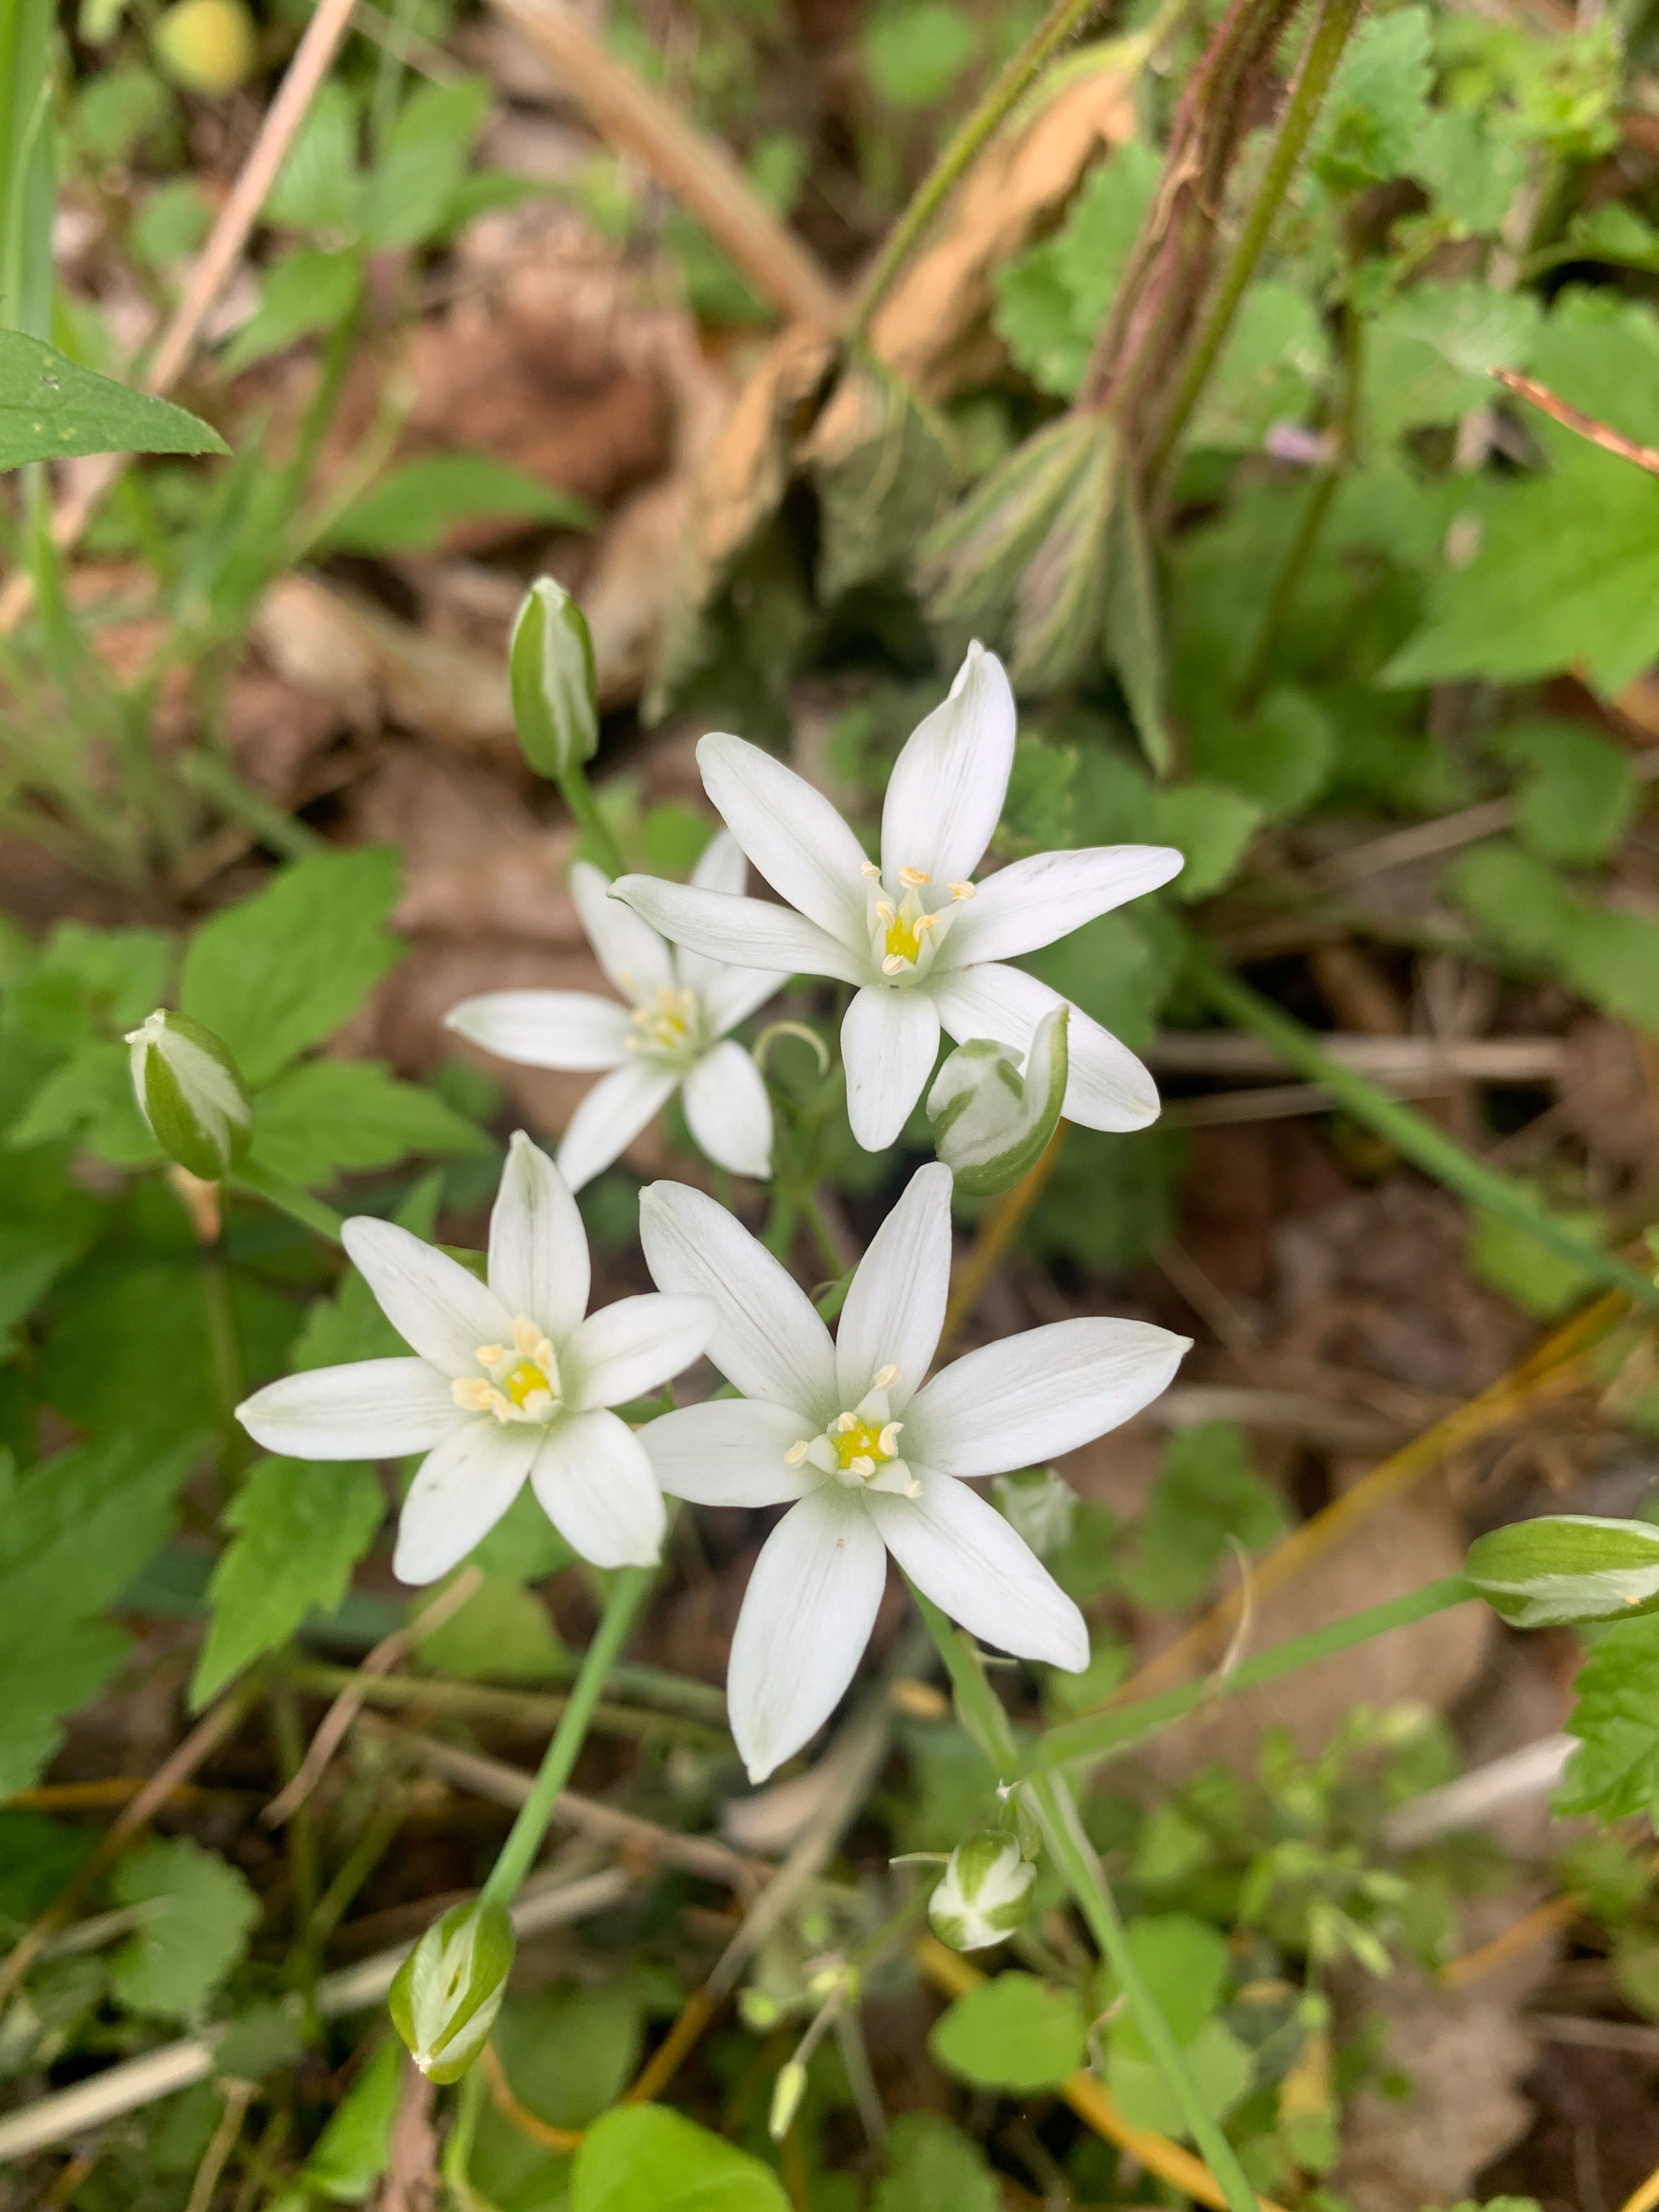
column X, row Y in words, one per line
column 571, row 1030
column 728, row 1112
column 730, row 995
column 729, row 1452
column 807, row 1617
column 768, row 1340
column 889, row 1041
column 895, row 1307
column 722, row 865
column 438, row 1309
column 961, row 1552
column 946, row 793
column 633, row 1347
column 460, row 1492
column 744, row 933
column 790, row 832
column 1107, row 1089
column 538, row 1263
column 1034, row 901
column 1030, row 1397
column 372, row 1409
column 596, row 1487
column 609, row 1118
column 629, row 950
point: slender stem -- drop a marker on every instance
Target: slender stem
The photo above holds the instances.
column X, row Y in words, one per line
column 994, row 1234
column 1093, row 1734
column 1416, row 1139
column 222, row 1332
column 287, row 1198
column 1336, row 20
column 578, row 795
column 1051, row 1799
column 627, row 1595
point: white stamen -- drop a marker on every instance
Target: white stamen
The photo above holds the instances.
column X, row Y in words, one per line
column 797, row 1453
column 845, row 1421
column 893, row 966
column 963, row 891
column 913, row 878
column 862, row 1464
column 888, row 1438
column 886, row 1377
column 488, row 1354
column 870, row 873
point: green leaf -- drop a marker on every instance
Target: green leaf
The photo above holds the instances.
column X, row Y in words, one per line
column 1217, row 2063
column 38, row 1857
column 1539, row 1279
column 1207, row 1489
column 350, row 2154
column 426, row 151
column 1183, row 1962
column 1212, row 826
column 411, row 507
column 931, row 2166
column 330, row 1117
column 1012, row 2032
column 1608, row 956
column 1277, row 356
column 309, row 291
column 1427, row 356
column 318, row 187
column 89, row 1097
column 643, row 2158
column 1108, row 969
column 1472, row 173
column 1052, row 299
column 1614, row 1772
column 284, row 969
column 197, row 1932
column 504, row 1632
column 1374, row 110
column 349, row 1325
column 1281, row 757
column 1577, row 796
column 915, row 50
column 300, row 1527
column 51, row 408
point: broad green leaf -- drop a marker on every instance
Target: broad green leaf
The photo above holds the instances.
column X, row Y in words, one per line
column 915, row 50
column 931, row 2166
column 318, row 187
column 119, row 974
column 1614, row 1772
column 1217, row 2062
column 330, row 1117
column 504, row 1632
column 1609, row 957
column 411, row 507
column 308, row 291
column 1376, row 105
column 1275, row 359
column 300, row 1527
column 1183, row 1962
column 1280, row 758
column 1212, row 826
column 350, row 2154
column 58, row 1665
column 89, row 1097
column 198, row 1932
column 1208, row 1490
column 51, row 408
column 1012, row 2033
column 1107, row 967
column 1427, row 356
column 283, row 970
column 1472, row 173
column 426, row 151
column 643, row 2158
column 1577, row 796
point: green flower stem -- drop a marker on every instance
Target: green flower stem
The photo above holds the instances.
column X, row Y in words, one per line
column 1063, row 19
column 628, row 1588
column 578, row 796
column 287, row 1198
column 1331, row 33
column 1051, row 1799
column 1092, row 1736
column 1411, row 1136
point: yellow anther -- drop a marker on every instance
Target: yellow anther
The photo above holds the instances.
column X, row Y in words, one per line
column 963, row 891
column 913, row 878
column 796, row 1454
column 885, row 1378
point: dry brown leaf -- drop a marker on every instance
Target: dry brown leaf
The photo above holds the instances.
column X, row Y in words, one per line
column 1609, row 1094
column 275, row 729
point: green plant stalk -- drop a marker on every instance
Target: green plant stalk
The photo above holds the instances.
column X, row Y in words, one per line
column 26, row 169
column 627, row 1595
column 578, row 795
column 1331, row 33
column 1092, row 1736
column 1411, row 1136
column 1051, row 1799
column 287, row 1198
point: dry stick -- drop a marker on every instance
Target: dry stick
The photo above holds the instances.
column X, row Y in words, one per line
column 239, row 2095
column 952, row 1975
column 992, row 1238
column 1574, row 418
column 180, row 1764
column 699, row 170
column 381, row 1660
column 219, row 256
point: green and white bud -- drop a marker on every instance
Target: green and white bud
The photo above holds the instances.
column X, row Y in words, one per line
column 992, row 1118
column 786, row 2093
column 1564, row 1568
column 985, row 1893
column 450, row 1988
column 191, row 1093
column 1039, row 1505
column 549, row 666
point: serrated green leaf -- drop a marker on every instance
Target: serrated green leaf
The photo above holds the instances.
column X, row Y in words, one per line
column 1577, row 796
column 1472, row 173
column 643, row 2158
column 1052, row 299
column 330, row 1117
column 1012, row 2032
column 1427, row 356
column 37, row 1855
column 1277, row 356
column 350, row 1326
column 50, row 409
column 1376, row 105
column 411, row 507
column 1281, row 757
column 1614, row 1772
column 300, row 1527
column 204, row 1910
column 308, row 291
column 407, row 198
column 1609, row 957
column 1210, row 823
column 283, row 970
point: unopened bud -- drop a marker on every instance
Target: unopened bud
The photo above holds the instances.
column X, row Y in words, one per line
column 191, row 1092
column 550, row 665
column 992, row 1118
column 786, row 2093
column 207, row 45
column 985, row 1894
column 1564, row 1568
column 1039, row 1505
column 450, row 1988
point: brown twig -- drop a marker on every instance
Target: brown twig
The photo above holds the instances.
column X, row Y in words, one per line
column 993, row 1237
column 386, row 1654
column 519, row 2116
column 411, row 2173
column 1574, row 419
column 238, row 2096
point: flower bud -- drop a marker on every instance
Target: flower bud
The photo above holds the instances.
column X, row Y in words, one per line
column 1039, row 1505
column 549, row 666
column 191, row 1092
column 985, row 1894
column 991, row 1121
column 1566, row 1567
column 450, row 1988
column 207, row 45
column 786, row 2093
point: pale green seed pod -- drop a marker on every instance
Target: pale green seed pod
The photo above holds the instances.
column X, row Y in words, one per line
column 191, row 1093
column 549, row 664
column 786, row 2093
column 1565, row 1568
column 991, row 1118
column 450, row 1988
column 985, row 1895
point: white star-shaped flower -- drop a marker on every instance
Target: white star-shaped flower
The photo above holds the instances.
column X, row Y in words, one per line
column 510, row 1381
column 671, row 1035
column 925, row 944
column 870, row 1458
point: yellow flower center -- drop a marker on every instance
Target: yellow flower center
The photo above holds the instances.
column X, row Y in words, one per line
column 905, row 933
column 860, row 1448
column 520, row 1385
column 855, row 1440
column 668, row 1024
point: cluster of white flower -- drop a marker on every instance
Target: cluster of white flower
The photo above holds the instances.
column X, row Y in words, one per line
column 513, row 1380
